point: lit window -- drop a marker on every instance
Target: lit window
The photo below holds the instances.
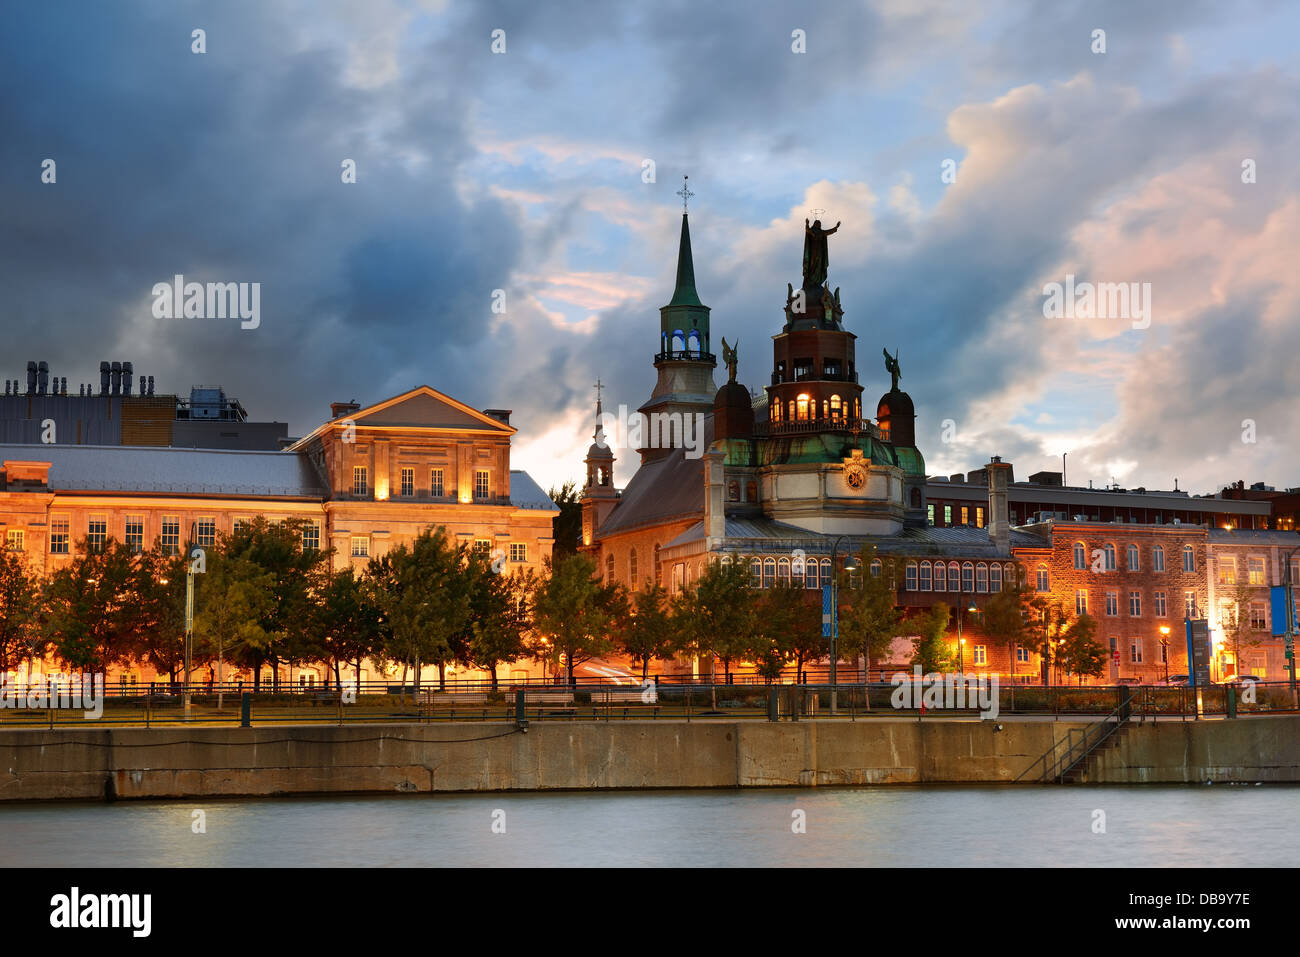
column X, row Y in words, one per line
column 408, row 481
column 435, row 483
column 60, row 536
column 837, row 407
column 1158, row 558
column 311, row 536
column 205, row 532
column 360, row 546
column 480, row 483
column 1256, row 571
column 1227, row 571
column 360, row 486
column 979, row 516
column 801, row 404
column 947, row 514
column 929, row 514
column 519, row 551
column 981, row 655
column 171, row 534
column 965, row 515
column 96, row 532
column 134, row 539
column 1189, row 604
column 14, row 540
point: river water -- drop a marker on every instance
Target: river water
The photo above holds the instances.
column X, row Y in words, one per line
column 1212, row 825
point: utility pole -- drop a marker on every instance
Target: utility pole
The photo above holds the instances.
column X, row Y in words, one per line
column 1288, row 642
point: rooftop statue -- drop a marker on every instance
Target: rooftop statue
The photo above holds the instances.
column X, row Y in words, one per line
column 729, row 357
column 814, row 253
column 891, row 366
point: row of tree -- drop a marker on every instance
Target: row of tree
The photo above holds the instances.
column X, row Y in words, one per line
column 262, row 600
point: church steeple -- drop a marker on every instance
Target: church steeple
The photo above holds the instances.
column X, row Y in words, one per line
column 685, row 294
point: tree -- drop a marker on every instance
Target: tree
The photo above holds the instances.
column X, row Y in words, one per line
column 1235, row 619
column 20, row 596
column 567, row 526
column 1008, row 616
column 89, row 608
column 931, row 650
column 716, row 616
column 1078, row 652
column 500, row 616
column 787, row 627
column 573, row 613
column 870, row 620
column 159, row 587
column 345, row 621
column 1060, row 632
column 232, row 609
column 647, row 632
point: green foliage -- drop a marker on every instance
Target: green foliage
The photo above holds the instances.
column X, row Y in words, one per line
column 574, row 614
column 787, row 627
column 20, row 603
column 930, row 648
column 717, row 615
column 427, row 603
column 648, row 632
column 89, row 608
column 567, row 526
column 500, row 616
column 1077, row 651
column 869, row 617
column 234, row 600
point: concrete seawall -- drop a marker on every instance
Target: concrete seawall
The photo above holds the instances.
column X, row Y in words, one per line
column 134, row 763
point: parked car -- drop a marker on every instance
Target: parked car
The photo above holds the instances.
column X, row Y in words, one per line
column 1176, row 681
column 1128, row 681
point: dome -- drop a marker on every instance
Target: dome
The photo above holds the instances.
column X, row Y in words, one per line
column 733, row 412
column 896, row 416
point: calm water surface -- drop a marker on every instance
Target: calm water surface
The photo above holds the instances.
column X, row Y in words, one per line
column 895, row 826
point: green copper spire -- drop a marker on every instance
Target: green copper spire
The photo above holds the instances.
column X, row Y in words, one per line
column 685, row 294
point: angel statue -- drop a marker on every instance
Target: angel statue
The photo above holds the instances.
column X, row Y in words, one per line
column 729, row 357
column 891, row 366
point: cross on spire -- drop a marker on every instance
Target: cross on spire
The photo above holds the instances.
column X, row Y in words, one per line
column 685, row 192
column 598, row 386
column 817, row 213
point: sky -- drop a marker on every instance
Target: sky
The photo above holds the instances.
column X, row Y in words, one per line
column 975, row 153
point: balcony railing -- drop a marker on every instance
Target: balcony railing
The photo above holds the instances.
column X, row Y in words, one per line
column 693, row 355
column 817, row 425
column 778, row 378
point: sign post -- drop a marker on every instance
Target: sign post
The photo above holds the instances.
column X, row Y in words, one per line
column 1199, row 653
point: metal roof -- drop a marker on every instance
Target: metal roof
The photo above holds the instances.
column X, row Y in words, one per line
column 127, row 468
column 667, row 489
column 525, row 493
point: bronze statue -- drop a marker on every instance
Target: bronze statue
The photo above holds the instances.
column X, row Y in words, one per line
column 814, row 253
column 729, row 357
column 891, row 366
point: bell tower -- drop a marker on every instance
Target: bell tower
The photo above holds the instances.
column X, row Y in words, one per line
column 599, row 497
column 684, row 361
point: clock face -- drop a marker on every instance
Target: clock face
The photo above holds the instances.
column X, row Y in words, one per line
column 856, row 476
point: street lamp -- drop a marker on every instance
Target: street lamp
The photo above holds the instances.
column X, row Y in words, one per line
column 1288, row 641
column 1164, row 649
column 961, row 642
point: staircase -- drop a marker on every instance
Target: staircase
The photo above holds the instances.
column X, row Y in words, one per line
column 1066, row 762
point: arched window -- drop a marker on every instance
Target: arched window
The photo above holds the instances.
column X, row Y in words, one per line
column 910, row 577
column 925, row 576
column 1109, row 552
column 1080, row 555
column 1010, row 576
column 954, row 576
column 679, row 341
column 609, row 569
column 916, row 498
column 790, row 410
column 783, row 571
column 733, row 491
column 751, row 492
column 1158, row 558
column 631, row 568
column 857, row 408
column 801, row 404
column 995, row 577
column 656, row 568
column 756, row 572
column 876, row 568
column 940, row 577
column 1189, row 561
column 837, row 408
column 1132, row 558
column 694, row 342
column 967, row 576
column 981, row 577
column 769, row 572
column 1044, row 583
column 810, row 573
column 826, row 571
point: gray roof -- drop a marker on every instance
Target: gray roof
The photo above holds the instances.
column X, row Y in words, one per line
column 667, row 489
column 1254, row 536
column 757, row 534
column 525, row 493
column 126, row 468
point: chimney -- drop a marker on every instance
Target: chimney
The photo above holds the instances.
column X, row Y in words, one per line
column 43, row 378
column 501, row 415
column 343, row 408
column 115, row 378
column 104, row 375
column 127, row 372
column 31, row 377
column 151, row 385
column 999, row 477
column 715, row 516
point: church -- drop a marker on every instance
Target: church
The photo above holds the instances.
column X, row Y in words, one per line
column 794, row 478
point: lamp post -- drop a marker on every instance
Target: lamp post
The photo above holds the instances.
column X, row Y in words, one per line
column 1164, row 649
column 1288, row 641
column 961, row 642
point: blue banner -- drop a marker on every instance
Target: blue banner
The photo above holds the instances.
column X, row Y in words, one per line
column 827, row 611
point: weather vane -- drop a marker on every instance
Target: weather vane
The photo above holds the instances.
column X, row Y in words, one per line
column 685, row 192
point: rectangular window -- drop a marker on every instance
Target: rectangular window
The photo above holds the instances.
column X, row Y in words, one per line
column 1081, row 602
column 947, row 514
column 1158, row 559
column 929, row 514
column 483, row 546
column 1022, row 654
column 981, row 655
column 1162, row 609
column 135, row 533
column 518, row 552
column 1044, row 580
column 435, row 483
column 205, row 532
column 240, row 525
column 1014, row 517
column 171, row 534
column 1189, row 604
column 1227, row 571
column 1189, row 559
column 1135, row 604
column 1112, row 603
column 60, row 536
column 1257, row 619
column 1135, row 652
column 925, row 576
column 360, row 546
column 909, row 577
column 408, row 482
column 480, row 483
column 979, row 516
column 14, row 540
column 311, row 536
column 97, row 532
column 1256, row 571
column 360, row 486
column 965, row 515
